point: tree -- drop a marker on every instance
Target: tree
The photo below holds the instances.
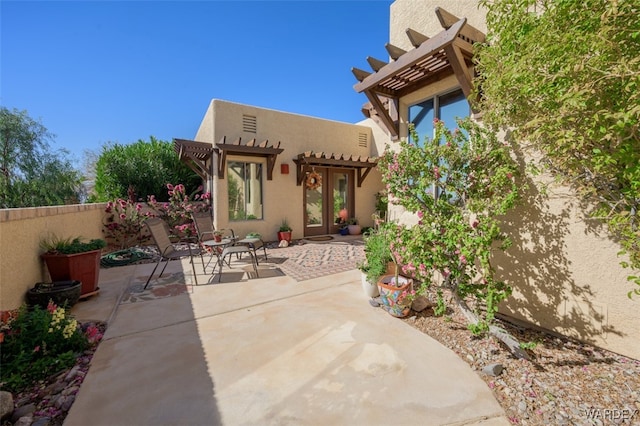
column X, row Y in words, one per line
column 31, row 174
column 564, row 76
column 458, row 184
column 142, row 168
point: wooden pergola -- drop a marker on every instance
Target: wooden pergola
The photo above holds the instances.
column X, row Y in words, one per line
column 307, row 160
column 432, row 59
column 262, row 149
column 196, row 155
column 199, row 155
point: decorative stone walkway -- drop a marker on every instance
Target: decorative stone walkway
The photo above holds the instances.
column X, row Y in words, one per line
column 308, row 261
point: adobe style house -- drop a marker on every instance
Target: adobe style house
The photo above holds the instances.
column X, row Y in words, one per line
column 263, row 165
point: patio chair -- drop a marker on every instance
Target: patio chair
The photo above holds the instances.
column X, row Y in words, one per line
column 254, row 243
column 204, row 227
column 238, row 251
column 168, row 251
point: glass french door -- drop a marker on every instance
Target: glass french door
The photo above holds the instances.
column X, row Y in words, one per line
column 327, row 205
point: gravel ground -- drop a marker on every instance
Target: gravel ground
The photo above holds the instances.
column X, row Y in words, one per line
column 566, row 382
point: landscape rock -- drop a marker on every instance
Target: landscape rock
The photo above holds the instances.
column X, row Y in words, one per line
column 24, row 421
column 6, row 404
column 493, row 369
column 420, row 303
column 25, row 410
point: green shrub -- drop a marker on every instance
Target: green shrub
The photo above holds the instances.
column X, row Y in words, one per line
column 377, row 254
column 55, row 244
column 38, row 343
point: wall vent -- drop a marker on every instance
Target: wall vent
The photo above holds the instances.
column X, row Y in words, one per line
column 249, row 123
column 362, row 140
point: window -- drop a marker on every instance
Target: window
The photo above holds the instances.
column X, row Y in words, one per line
column 244, row 184
column 445, row 108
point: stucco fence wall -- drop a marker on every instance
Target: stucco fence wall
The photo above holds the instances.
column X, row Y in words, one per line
column 21, row 231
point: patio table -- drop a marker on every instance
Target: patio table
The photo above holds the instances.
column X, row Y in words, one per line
column 217, row 247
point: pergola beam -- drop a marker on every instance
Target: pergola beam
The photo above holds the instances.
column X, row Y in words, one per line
column 376, row 64
column 415, row 37
column 360, row 74
column 448, row 19
column 394, row 51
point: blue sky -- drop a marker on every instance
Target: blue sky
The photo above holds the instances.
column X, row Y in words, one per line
column 117, row 71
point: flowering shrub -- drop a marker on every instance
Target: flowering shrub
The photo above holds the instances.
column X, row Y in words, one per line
column 123, row 223
column 457, row 184
column 36, row 343
column 177, row 211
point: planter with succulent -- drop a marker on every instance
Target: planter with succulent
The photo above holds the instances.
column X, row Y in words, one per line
column 284, row 232
column 72, row 259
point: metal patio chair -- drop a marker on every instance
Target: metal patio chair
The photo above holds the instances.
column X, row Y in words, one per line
column 205, row 230
column 169, row 251
column 204, row 227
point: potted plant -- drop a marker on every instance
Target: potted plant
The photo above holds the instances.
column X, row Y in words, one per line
column 396, row 292
column 73, row 259
column 377, row 255
column 354, row 228
column 284, row 232
column 217, row 236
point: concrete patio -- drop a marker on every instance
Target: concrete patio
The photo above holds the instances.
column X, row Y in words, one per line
column 263, row 351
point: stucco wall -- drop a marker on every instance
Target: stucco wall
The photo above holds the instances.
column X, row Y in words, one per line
column 420, row 15
column 20, row 233
column 563, row 267
column 296, row 134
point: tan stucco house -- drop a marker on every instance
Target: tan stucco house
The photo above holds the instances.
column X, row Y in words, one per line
column 265, row 166
column 564, row 268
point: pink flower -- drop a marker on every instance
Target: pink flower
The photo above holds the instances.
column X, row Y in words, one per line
column 463, row 259
column 123, row 216
column 420, row 214
column 36, row 349
column 436, row 172
column 51, row 307
column 170, row 187
column 475, row 224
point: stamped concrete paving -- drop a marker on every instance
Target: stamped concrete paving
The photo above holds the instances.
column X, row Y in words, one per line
column 269, row 351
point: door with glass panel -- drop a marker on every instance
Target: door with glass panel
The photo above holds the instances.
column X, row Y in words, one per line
column 328, row 200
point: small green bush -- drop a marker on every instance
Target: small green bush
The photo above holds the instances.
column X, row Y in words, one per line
column 377, row 254
column 54, row 244
column 38, row 343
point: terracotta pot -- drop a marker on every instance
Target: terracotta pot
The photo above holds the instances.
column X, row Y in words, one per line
column 83, row 267
column 284, row 235
column 393, row 297
column 354, row 229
